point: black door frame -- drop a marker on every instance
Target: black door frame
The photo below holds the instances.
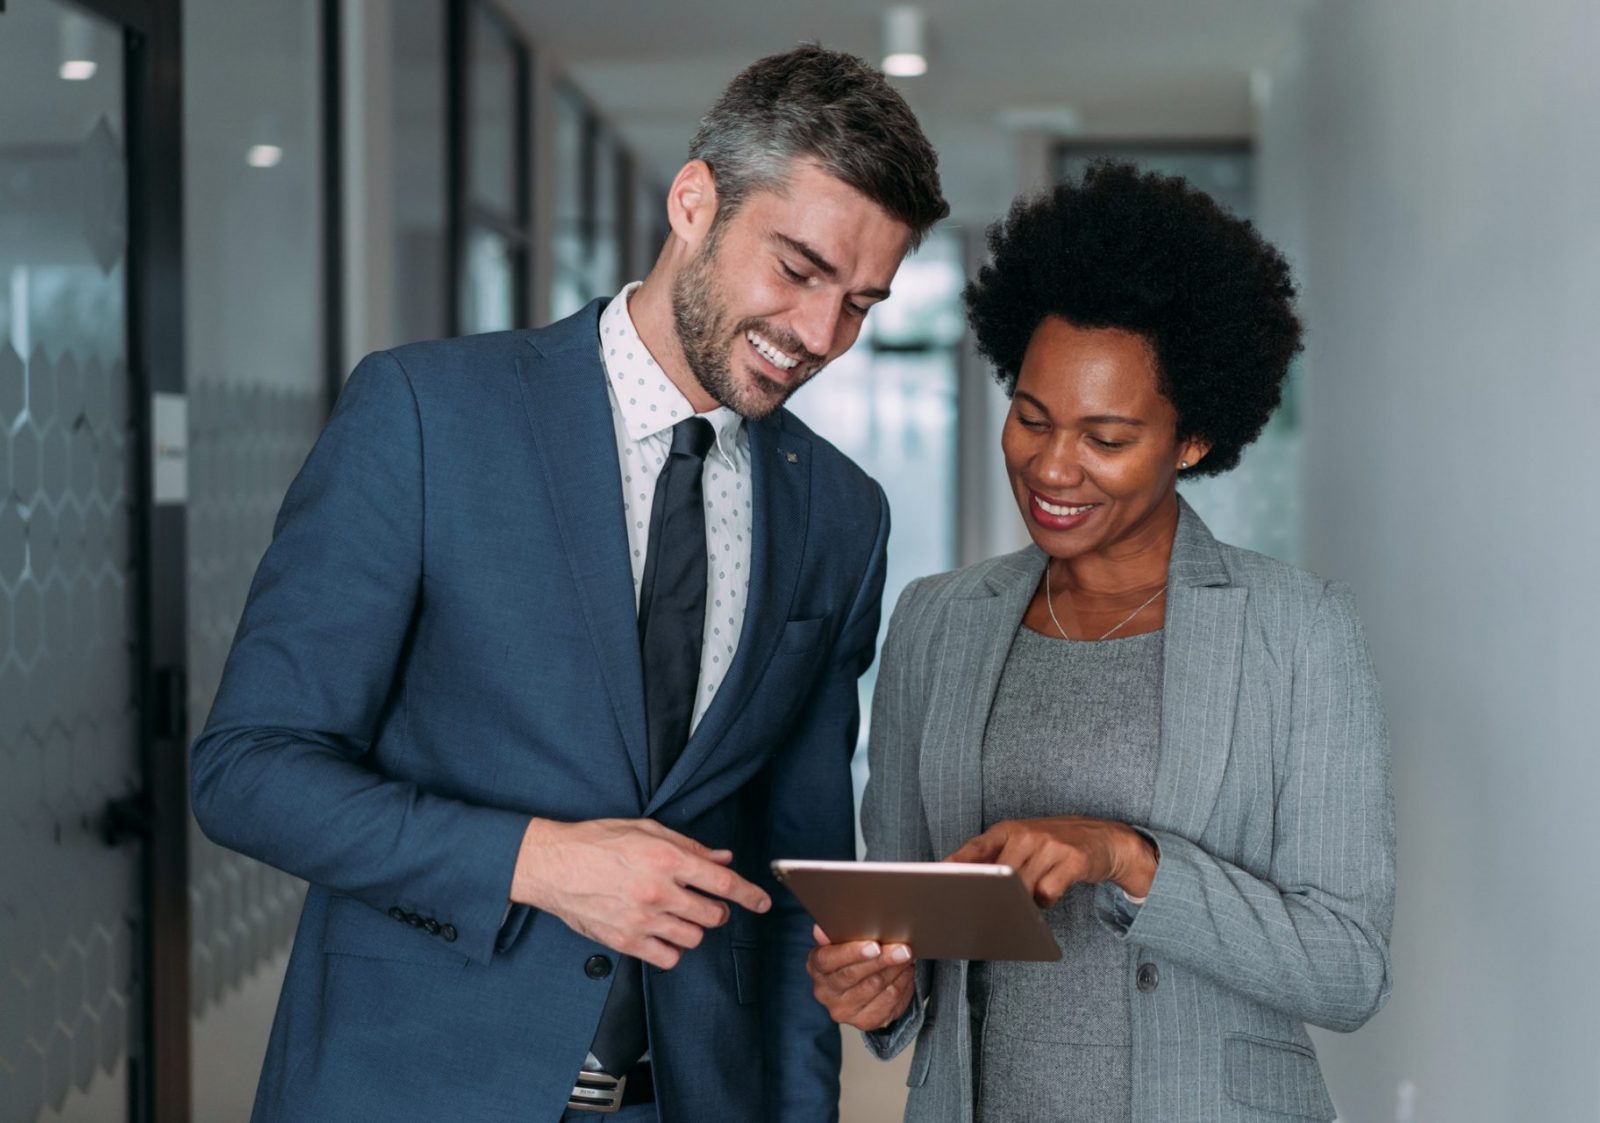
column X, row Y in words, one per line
column 159, row 1065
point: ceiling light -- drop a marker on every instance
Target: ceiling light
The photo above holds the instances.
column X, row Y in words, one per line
column 77, row 41
column 264, row 156
column 904, row 42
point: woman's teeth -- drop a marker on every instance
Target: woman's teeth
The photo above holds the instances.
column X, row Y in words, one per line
column 774, row 356
column 1059, row 510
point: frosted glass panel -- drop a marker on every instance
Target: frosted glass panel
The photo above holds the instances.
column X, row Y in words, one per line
column 70, row 905
column 253, row 319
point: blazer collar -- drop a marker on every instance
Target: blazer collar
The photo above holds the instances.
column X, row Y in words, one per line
column 1202, row 657
column 780, row 481
column 564, row 391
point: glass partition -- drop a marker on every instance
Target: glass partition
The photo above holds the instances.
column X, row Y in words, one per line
column 70, row 904
column 495, row 224
column 253, row 230
column 419, row 195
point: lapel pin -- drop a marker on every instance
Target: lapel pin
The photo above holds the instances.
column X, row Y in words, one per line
column 791, row 457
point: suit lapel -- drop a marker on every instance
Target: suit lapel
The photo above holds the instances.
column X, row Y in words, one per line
column 780, row 481
column 564, row 397
column 1203, row 655
column 967, row 675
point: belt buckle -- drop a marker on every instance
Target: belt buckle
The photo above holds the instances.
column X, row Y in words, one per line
column 597, row 1091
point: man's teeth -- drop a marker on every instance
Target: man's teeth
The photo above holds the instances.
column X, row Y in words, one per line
column 774, row 356
column 1060, row 511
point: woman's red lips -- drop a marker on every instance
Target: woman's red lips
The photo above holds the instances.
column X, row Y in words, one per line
column 1054, row 514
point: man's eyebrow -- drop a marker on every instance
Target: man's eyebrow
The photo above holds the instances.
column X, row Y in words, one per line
column 823, row 265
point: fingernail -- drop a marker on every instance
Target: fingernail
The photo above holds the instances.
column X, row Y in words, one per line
column 870, row 951
column 764, row 904
column 900, row 954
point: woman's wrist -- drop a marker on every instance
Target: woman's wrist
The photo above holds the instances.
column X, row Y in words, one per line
column 1134, row 862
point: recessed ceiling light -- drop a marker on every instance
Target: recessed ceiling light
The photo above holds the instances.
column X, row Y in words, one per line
column 905, row 50
column 77, row 47
column 905, row 65
column 264, row 156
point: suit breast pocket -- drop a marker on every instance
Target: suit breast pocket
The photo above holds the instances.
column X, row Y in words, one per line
column 803, row 636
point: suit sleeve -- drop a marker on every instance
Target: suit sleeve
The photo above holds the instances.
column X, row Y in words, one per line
column 282, row 771
column 1312, row 938
column 892, row 817
column 810, row 812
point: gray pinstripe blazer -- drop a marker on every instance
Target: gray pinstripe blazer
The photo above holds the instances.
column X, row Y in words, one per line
column 1274, row 896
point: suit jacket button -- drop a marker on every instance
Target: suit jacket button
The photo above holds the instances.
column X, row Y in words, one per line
column 414, row 920
column 1148, row 978
column 597, row 967
column 447, row 933
column 397, row 913
column 432, row 926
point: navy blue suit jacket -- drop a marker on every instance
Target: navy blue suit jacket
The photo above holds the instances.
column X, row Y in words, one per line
column 440, row 643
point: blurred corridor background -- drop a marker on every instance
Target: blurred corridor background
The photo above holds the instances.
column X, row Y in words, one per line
column 210, row 209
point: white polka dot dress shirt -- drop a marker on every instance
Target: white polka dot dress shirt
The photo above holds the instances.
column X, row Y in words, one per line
column 645, row 405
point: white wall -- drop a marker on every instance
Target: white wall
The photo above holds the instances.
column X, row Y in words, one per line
column 1447, row 180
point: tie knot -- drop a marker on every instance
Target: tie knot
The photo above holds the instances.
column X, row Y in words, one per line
column 693, row 437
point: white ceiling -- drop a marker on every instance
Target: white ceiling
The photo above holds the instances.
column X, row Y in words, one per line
column 1130, row 69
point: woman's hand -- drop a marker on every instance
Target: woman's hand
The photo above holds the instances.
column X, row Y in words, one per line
column 861, row 983
column 1053, row 855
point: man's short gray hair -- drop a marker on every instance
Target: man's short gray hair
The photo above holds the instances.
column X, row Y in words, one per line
column 829, row 107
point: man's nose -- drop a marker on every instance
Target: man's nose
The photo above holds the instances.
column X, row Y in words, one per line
column 818, row 322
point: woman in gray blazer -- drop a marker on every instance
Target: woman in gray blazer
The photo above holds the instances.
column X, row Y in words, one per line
column 1178, row 744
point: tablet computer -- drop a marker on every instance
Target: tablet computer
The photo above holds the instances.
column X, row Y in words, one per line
column 944, row 910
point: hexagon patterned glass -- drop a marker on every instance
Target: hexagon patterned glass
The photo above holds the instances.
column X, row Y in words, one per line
column 69, row 901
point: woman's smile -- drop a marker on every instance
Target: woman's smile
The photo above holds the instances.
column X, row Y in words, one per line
column 1057, row 515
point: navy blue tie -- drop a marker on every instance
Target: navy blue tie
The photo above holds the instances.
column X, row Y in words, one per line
column 672, row 597
column 672, row 614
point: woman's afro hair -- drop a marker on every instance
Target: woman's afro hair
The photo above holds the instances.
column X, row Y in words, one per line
column 1152, row 255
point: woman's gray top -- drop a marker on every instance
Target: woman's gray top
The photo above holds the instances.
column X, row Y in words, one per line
column 1075, row 730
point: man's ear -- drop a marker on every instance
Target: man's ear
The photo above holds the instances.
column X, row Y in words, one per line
column 692, row 203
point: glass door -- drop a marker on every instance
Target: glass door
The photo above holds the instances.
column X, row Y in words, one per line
column 71, row 898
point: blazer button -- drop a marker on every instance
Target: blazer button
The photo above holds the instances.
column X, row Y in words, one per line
column 432, row 926
column 414, row 920
column 597, row 967
column 447, row 933
column 397, row 913
column 1148, row 978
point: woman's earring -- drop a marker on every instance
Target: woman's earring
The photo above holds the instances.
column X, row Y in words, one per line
column 1182, row 464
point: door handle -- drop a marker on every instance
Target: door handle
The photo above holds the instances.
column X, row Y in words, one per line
column 126, row 819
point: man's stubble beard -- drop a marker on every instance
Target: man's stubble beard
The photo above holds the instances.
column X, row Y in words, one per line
column 701, row 321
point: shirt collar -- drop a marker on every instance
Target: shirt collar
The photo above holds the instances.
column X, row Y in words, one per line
column 645, row 396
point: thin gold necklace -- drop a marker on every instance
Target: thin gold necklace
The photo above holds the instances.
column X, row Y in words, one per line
column 1050, row 604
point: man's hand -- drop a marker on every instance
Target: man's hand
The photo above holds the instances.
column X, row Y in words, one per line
column 1053, row 855
column 631, row 884
column 861, row 983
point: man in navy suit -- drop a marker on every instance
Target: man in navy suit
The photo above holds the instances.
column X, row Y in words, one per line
column 556, row 647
